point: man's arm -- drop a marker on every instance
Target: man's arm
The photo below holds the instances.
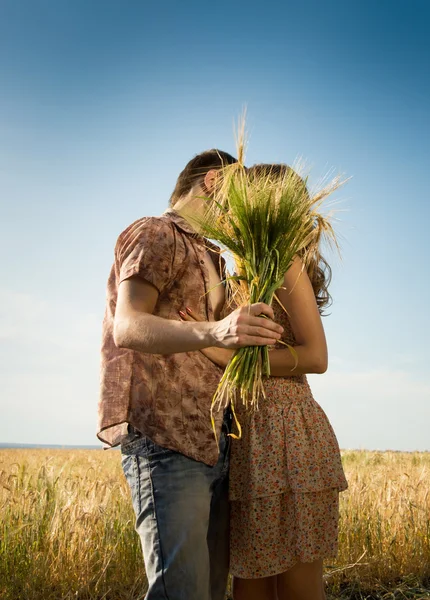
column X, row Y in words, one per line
column 136, row 328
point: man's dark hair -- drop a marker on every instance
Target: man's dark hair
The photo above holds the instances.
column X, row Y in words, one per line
column 197, row 168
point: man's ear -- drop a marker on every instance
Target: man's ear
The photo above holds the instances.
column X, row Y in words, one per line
column 209, row 180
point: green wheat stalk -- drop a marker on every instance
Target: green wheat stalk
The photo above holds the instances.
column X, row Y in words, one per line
column 263, row 221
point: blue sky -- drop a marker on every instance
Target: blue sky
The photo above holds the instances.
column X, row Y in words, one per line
column 101, row 106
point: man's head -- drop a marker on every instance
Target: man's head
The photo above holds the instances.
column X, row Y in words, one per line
column 201, row 170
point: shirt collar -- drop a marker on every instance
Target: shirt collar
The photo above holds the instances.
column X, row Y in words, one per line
column 180, row 222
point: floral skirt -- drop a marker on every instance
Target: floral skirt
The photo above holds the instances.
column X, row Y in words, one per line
column 269, row 535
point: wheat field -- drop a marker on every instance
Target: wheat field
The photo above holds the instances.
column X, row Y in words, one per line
column 67, row 527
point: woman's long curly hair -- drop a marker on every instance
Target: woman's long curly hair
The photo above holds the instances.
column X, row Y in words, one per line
column 318, row 269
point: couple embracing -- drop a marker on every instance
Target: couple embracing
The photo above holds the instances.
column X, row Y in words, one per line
column 264, row 507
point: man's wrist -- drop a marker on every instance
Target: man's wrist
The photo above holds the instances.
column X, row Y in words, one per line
column 206, row 333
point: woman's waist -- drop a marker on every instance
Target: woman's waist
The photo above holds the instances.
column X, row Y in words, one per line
column 279, row 388
column 278, row 398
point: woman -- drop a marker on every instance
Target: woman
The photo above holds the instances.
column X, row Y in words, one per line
column 286, row 471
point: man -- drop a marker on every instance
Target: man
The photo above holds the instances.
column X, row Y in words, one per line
column 156, row 388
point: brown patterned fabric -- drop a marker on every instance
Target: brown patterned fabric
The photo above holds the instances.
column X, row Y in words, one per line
column 166, row 397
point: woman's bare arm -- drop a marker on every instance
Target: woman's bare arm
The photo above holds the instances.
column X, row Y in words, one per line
column 298, row 298
column 311, row 348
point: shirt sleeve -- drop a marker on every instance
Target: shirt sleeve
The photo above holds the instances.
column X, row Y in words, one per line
column 147, row 249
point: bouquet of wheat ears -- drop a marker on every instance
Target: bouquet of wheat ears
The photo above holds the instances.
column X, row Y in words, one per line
column 263, row 221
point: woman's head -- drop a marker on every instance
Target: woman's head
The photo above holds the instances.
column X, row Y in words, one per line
column 197, row 169
column 317, row 268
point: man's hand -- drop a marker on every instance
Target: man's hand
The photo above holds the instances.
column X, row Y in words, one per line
column 244, row 327
column 222, row 354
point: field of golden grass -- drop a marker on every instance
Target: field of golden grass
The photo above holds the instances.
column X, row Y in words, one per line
column 67, row 527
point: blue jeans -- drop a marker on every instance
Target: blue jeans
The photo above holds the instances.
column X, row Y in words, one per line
column 182, row 518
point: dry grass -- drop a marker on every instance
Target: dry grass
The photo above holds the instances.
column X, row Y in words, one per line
column 67, row 527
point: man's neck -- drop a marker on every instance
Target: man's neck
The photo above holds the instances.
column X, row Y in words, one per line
column 190, row 207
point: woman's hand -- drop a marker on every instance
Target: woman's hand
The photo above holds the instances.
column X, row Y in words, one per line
column 219, row 356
